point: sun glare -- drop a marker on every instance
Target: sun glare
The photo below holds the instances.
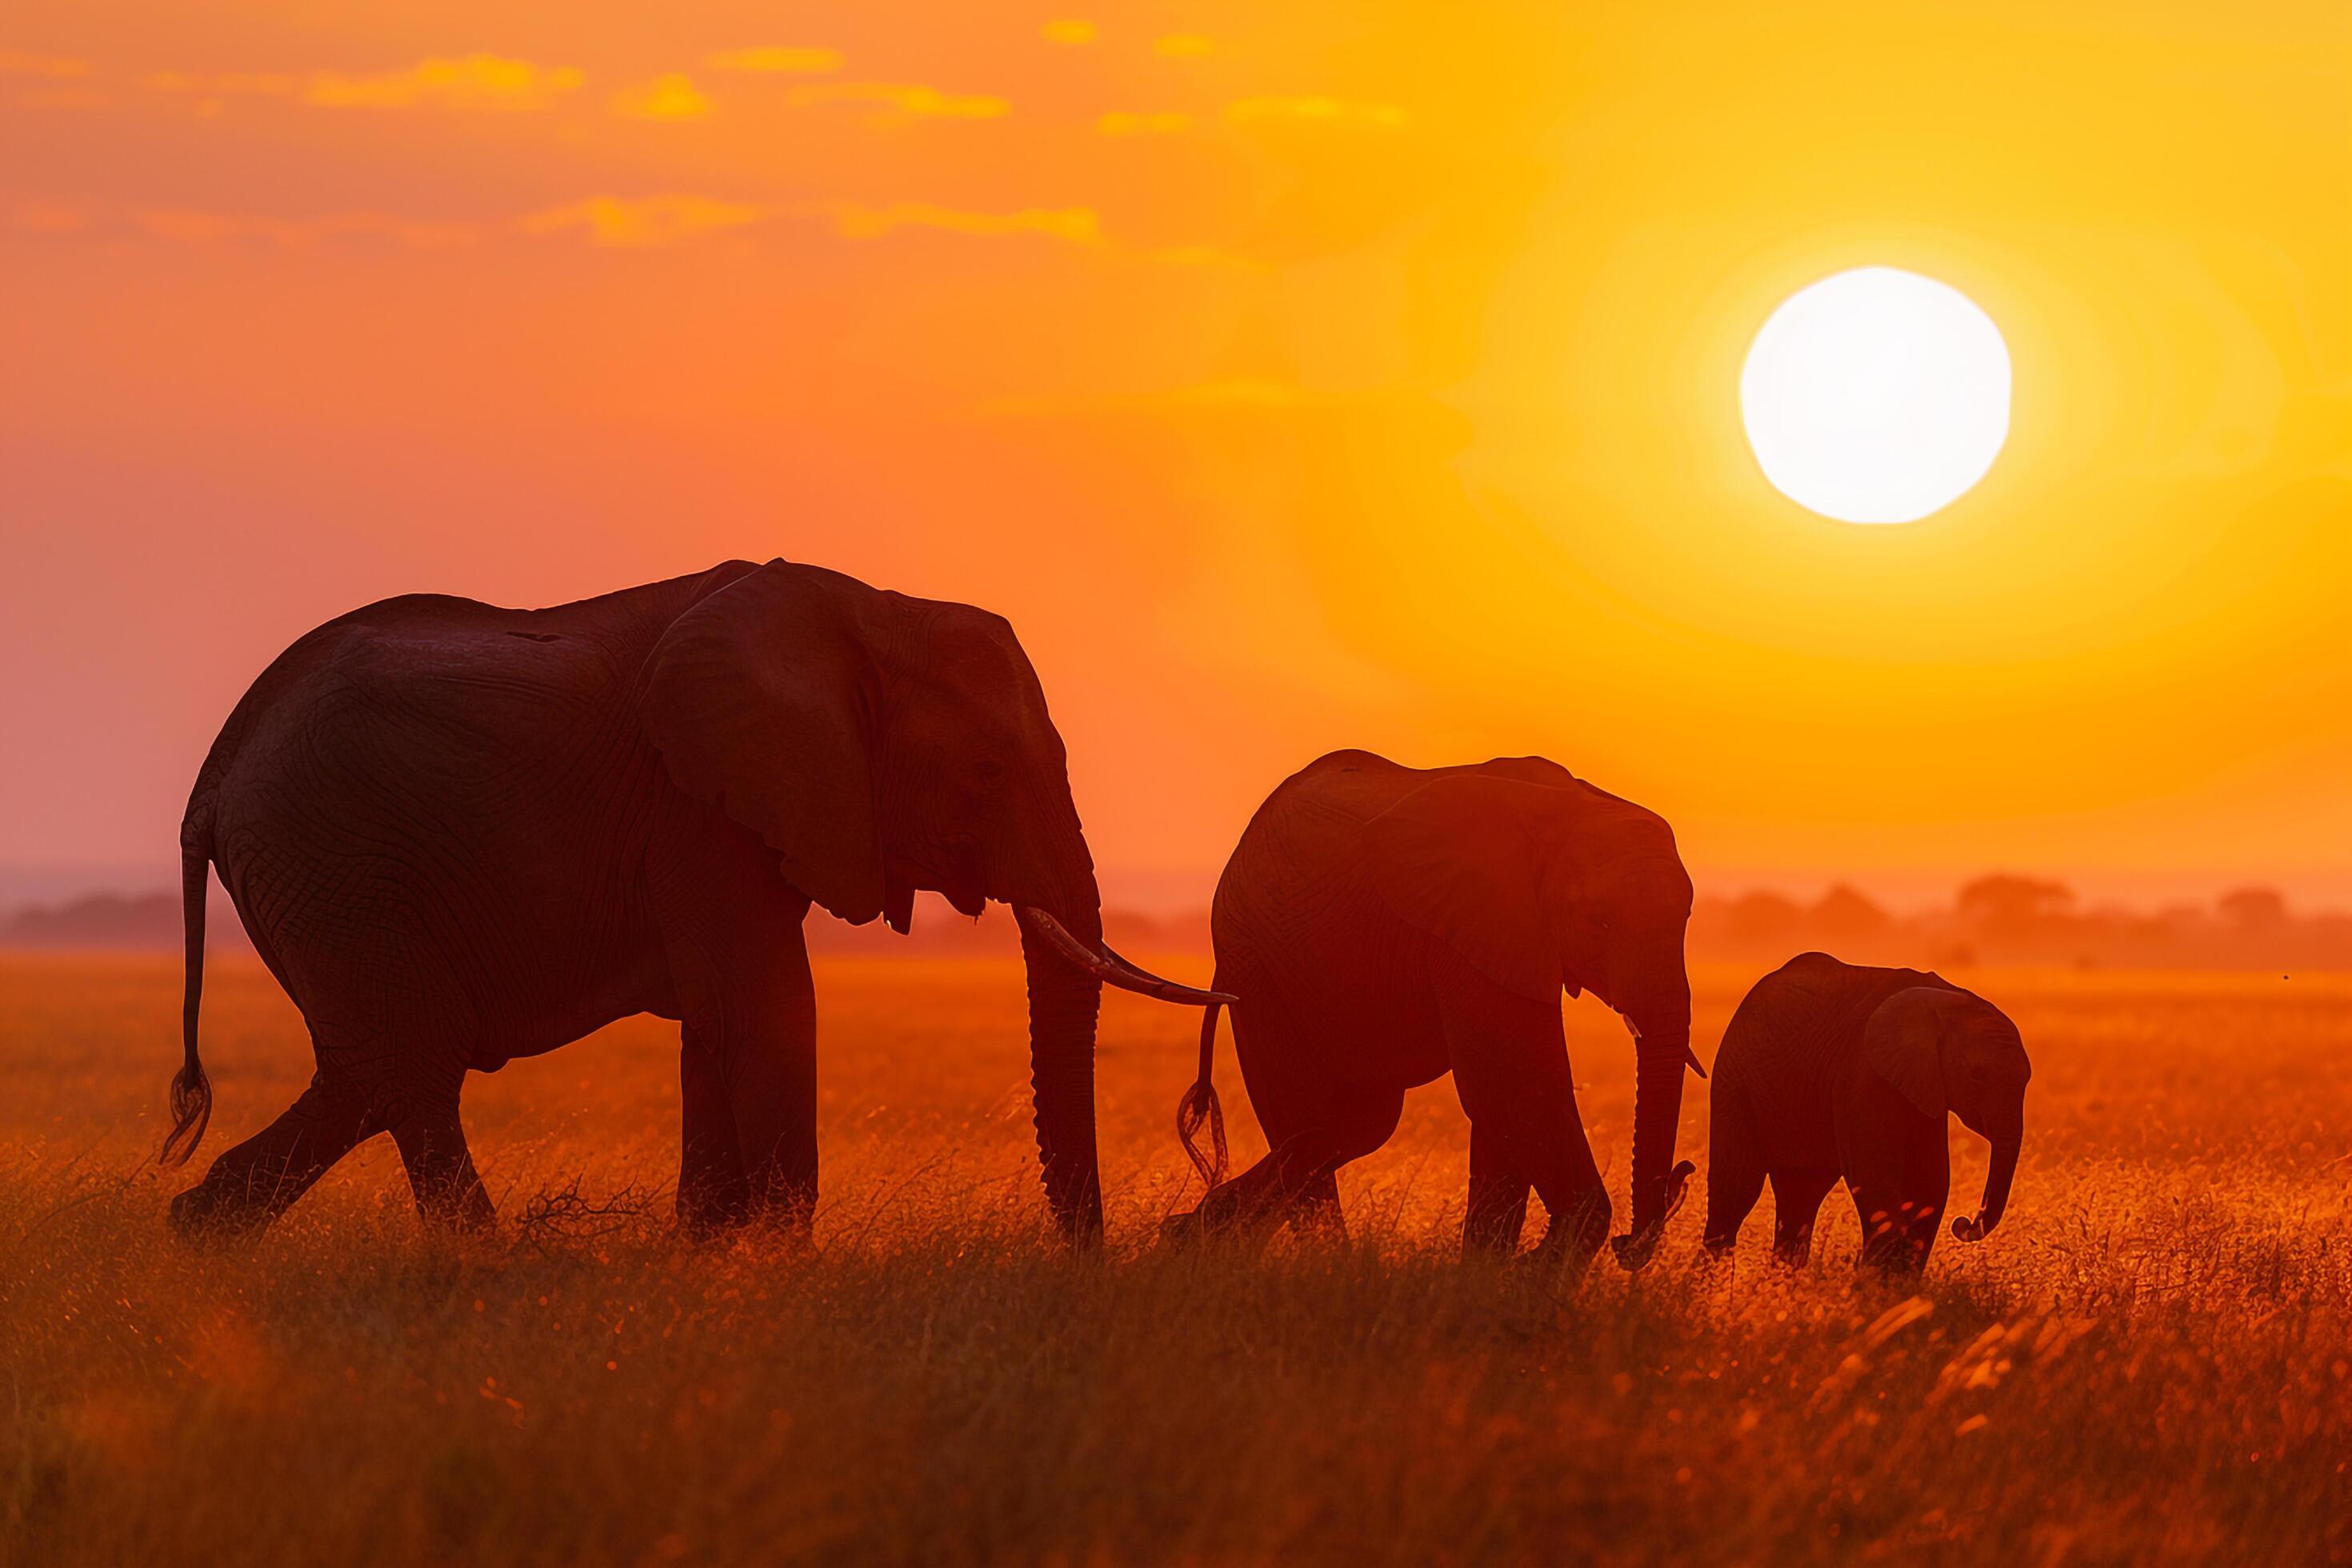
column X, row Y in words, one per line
column 1876, row 395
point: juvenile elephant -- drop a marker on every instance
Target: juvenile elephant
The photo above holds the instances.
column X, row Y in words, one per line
column 1832, row 1071
column 1384, row 925
column 460, row 834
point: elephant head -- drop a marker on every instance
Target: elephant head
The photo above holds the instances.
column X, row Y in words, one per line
column 1543, row 882
column 1950, row 1050
column 881, row 744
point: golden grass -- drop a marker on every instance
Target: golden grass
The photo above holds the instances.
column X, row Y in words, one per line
column 2148, row 1360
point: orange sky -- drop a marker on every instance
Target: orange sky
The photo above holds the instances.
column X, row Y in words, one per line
column 1367, row 375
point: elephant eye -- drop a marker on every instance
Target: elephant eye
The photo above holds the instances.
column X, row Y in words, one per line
column 990, row 770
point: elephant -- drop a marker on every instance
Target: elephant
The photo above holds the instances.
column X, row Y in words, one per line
column 1384, row 925
column 460, row 834
column 1832, row 1071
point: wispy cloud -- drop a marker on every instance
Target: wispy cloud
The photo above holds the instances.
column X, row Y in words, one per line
column 221, row 84
column 50, row 217
column 625, row 222
column 1067, row 31
column 643, row 220
column 1181, row 46
column 56, row 67
column 670, row 96
column 473, row 82
column 1245, row 395
column 1122, row 122
column 1330, row 110
column 470, row 81
column 905, row 101
column 199, row 225
column 1203, row 255
column 58, row 97
column 777, row 59
column 1076, row 225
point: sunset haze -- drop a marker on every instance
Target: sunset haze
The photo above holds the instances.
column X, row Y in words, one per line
column 1344, row 375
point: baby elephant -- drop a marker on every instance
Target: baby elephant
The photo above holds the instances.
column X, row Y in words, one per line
column 1384, row 926
column 1832, row 1069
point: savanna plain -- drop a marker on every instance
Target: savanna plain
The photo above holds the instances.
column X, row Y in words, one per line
column 2148, row 1360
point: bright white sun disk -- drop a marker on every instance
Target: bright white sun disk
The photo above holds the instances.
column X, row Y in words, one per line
column 1876, row 395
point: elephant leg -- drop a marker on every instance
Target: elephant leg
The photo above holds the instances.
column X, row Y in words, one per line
column 1510, row 1067
column 1313, row 1133
column 748, row 1057
column 1364, row 1119
column 254, row 1183
column 1316, row 1212
column 1898, row 1166
column 1734, row 1172
column 1899, row 1213
column 770, row 1076
column 748, row 1144
column 712, row 1191
column 1246, row 1198
column 1796, row 1201
column 441, row 1174
column 1497, row 1210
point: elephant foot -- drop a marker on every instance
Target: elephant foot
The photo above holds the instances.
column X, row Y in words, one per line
column 790, row 1229
column 1570, row 1243
column 1187, row 1229
column 1208, row 1223
column 207, row 1214
column 1541, row 1261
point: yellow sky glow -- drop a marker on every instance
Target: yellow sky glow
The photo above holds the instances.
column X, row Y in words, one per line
column 1341, row 374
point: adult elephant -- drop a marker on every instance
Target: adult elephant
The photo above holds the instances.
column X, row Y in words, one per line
column 1384, row 925
column 460, row 834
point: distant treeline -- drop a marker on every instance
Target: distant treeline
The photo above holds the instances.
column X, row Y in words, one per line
column 2007, row 919
column 2000, row 919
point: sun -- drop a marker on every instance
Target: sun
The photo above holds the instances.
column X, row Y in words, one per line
column 1876, row 395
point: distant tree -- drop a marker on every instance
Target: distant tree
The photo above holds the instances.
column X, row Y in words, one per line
column 2004, row 902
column 1758, row 917
column 2253, row 909
column 1842, row 913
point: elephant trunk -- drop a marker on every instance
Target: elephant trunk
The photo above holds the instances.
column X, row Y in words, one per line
column 1064, row 994
column 1662, row 1048
column 1063, row 1000
column 1657, row 1117
column 2006, row 1142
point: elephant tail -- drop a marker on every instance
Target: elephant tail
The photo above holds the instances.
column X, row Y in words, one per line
column 192, row 1091
column 1199, row 1105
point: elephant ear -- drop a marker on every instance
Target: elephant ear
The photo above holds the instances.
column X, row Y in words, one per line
column 1456, row 858
column 1902, row 1043
column 757, row 699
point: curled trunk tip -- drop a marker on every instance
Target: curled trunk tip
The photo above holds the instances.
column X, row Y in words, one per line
column 1999, row 1177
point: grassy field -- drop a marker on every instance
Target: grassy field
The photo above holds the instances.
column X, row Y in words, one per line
column 2148, row 1360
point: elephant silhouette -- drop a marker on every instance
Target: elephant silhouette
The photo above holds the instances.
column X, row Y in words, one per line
column 460, row 834
column 1384, row 925
column 1831, row 1071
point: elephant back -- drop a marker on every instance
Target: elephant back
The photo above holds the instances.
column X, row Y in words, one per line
column 1297, row 926
column 1793, row 1043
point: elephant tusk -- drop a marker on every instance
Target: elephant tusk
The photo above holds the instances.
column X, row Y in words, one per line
column 1133, row 968
column 1690, row 1052
column 1112, row 970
